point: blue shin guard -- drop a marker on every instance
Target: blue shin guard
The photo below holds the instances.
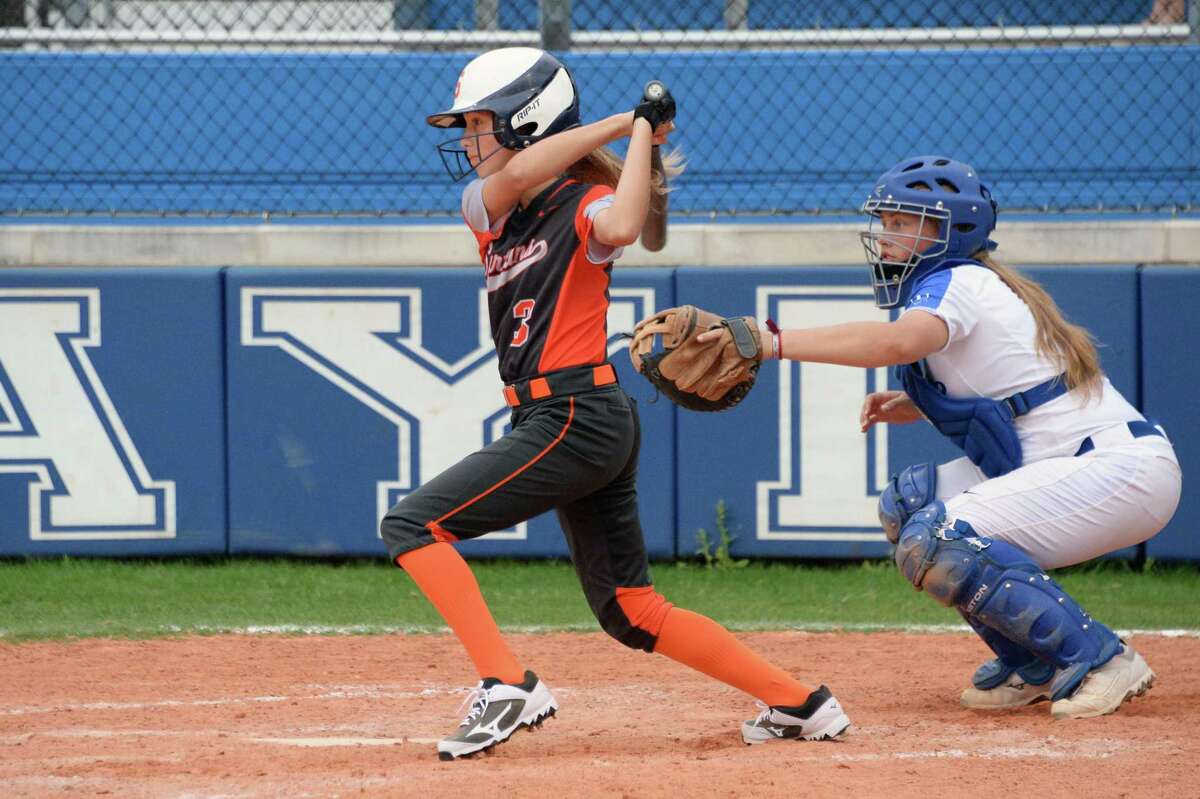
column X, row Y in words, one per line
column 1009, row 658
column 997, row 586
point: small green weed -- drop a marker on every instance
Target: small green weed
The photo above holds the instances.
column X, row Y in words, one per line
column 716, row 554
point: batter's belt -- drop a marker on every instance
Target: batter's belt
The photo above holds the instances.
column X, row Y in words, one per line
column 560, row 383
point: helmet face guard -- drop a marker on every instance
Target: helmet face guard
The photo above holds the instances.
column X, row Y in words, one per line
column 455, row 154
column 889, row 275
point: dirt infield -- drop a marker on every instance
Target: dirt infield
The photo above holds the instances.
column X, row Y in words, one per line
column 251, row 716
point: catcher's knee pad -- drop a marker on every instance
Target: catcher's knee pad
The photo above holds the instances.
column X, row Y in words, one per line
column 634, row 616
column 904, row 495
column 938, row 556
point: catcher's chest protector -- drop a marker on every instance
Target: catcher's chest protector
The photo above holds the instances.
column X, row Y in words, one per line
column 547, row 302
column 983, row 428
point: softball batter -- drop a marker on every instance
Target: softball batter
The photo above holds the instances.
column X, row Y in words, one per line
column 1059, row 467
column 551, row 209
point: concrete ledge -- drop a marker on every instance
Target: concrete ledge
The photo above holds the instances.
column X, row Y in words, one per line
column 1183, row 241
column 690, row 244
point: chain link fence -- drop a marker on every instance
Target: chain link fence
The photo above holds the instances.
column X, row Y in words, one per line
column 316, row 107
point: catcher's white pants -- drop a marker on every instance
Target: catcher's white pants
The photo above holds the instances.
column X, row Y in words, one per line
column 1062, row 511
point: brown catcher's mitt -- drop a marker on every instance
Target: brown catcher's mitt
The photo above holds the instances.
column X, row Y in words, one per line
column 708, row 376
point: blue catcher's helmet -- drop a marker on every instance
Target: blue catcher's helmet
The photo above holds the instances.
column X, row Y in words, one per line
column 530, row 92
column 930, row 187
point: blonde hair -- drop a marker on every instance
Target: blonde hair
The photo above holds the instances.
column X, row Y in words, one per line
column 1069, row 345
column 603, row 167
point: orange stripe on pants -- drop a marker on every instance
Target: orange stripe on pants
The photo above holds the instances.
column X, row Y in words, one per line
column 436, row 523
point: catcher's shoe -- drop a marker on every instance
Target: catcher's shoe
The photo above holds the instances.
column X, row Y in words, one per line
column 1105, row 688
column 497, row 710
column 1013, row 692
column 819, row 718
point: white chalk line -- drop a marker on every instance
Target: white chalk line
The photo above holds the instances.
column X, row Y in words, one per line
column 999, row 753
column 303, row 741
column 1081, row 750
column 350, row 692
column 343, row 741
column 324, row 693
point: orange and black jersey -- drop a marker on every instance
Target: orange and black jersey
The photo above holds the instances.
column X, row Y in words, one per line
column 548, row 303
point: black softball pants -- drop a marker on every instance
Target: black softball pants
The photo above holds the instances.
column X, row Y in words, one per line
column 576, row 454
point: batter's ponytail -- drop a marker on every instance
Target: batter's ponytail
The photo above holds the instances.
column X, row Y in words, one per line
column 1070, row 345
column 602, row 167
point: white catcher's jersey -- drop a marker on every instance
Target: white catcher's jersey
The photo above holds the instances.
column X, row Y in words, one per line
column 1058, row 508
column 991, row 353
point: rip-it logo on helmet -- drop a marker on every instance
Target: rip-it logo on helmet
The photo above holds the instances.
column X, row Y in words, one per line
column 520, row 116
column 933, row 188
column 529, row 92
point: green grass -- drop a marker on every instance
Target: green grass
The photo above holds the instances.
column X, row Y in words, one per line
column 62, row 598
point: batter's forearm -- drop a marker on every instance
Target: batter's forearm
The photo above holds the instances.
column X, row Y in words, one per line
column 549, row 157
column 627, row 216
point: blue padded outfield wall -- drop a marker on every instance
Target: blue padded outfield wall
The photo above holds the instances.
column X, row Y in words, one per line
column 282, row 411
column 1170, row 379
column 112, row 412
column 313, row 134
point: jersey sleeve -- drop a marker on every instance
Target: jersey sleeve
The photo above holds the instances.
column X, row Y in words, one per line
column 595, row 201
column 948, row 297
column 475, row 212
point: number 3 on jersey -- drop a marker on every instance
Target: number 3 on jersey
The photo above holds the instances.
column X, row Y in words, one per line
column 522, row 310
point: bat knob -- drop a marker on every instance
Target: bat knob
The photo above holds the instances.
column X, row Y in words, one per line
column 655, row 90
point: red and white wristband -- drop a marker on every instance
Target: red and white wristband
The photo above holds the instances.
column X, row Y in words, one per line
column 772, row 333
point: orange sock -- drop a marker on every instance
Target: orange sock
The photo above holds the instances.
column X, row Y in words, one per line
column 699, row 642
column 447, row 582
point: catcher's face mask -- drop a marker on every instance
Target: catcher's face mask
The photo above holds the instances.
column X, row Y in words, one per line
column 898, row 238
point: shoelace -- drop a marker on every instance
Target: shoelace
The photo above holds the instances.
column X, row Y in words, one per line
column 477, row 699
column 764, row 711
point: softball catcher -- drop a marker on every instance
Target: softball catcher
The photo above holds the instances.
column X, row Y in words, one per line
column 1058, row 467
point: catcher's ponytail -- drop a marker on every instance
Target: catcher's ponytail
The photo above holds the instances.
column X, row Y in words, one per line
column 1071, row 346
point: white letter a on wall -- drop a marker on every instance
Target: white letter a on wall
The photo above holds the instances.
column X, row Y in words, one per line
column 58, row 425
